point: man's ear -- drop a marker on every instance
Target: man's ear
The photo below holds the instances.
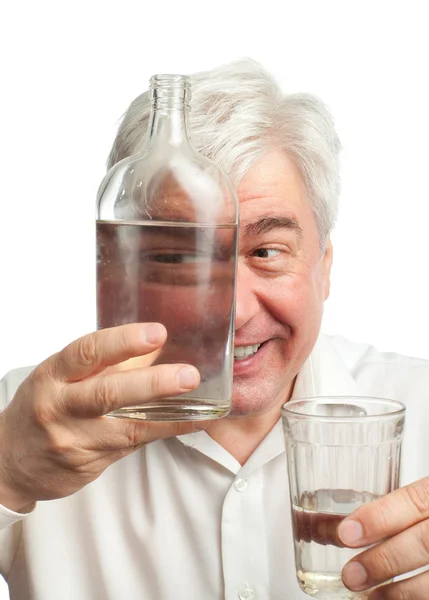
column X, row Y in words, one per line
column 326, row 261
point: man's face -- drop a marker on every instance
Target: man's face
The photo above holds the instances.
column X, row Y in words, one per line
column 283, row 281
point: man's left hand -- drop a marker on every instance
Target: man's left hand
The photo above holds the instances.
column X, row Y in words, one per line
column 398, row 524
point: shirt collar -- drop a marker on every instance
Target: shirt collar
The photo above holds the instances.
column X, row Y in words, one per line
column 323, row 374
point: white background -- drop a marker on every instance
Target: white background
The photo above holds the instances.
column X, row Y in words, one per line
column 69, row 71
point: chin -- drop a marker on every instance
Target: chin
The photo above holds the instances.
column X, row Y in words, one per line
column 263, row 382
column 251, row 398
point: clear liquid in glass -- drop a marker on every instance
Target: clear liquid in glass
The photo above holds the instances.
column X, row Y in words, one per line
column 319, row 554
column 183, row 276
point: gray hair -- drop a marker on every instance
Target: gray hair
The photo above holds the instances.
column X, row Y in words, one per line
column 239, row 112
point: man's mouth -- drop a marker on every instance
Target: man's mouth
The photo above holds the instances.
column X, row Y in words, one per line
column 242, row 352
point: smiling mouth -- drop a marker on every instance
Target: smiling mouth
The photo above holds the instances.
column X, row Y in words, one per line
column 243, row 352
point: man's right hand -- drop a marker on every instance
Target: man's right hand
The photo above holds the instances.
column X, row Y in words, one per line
column 54, row 435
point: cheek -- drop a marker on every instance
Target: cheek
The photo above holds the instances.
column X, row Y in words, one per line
column 295, row 300
column 173, row 307
column 187, row 308
column 177, row 307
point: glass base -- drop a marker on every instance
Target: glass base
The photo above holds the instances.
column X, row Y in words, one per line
column 328, row 586
column 173, row 409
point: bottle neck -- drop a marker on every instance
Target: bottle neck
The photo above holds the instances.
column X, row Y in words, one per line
column 168, row 124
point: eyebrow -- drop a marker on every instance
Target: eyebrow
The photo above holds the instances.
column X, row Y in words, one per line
column 267, row 224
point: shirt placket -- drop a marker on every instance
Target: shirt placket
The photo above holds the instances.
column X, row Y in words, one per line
column 244, row 551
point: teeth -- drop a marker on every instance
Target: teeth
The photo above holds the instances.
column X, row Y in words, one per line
column 245, row 351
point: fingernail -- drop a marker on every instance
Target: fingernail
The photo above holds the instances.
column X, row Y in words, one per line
column 355, row 575
column 152, row 333
column 187, row 377
column 350, row 532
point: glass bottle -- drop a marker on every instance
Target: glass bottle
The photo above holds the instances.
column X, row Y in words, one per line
column 167, row 222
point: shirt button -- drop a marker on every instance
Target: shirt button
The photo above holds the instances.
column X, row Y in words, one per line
column 240, row 485
column 246, row 593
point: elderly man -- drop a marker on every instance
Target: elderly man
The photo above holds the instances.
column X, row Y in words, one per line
column 204, row 514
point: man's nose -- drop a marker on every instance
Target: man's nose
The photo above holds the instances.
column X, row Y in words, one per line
column 247, row 304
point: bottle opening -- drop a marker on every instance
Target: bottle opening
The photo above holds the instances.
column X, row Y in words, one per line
column 170, row 91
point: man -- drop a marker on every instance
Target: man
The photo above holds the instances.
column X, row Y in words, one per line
column 205, row 514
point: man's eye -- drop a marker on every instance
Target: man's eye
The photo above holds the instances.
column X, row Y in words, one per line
column 266, row 252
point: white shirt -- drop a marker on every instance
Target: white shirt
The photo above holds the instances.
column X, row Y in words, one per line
column 181, row 519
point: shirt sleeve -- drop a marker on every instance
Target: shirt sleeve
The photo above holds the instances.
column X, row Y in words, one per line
column 9, row 517
column 10, row 536
column 8, row 387
column 10, row 521
column 10, row 383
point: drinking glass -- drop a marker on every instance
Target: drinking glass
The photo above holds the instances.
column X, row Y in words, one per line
column 341, row 452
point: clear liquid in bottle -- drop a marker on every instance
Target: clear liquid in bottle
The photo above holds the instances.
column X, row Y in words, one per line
column 180, row 275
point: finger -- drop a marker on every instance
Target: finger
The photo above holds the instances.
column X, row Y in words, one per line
column 91, row 353
column 89, row 440
column 388, row 515
column 100, row 395
column 400, row 554
column 413, row 588
column 137, row 362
